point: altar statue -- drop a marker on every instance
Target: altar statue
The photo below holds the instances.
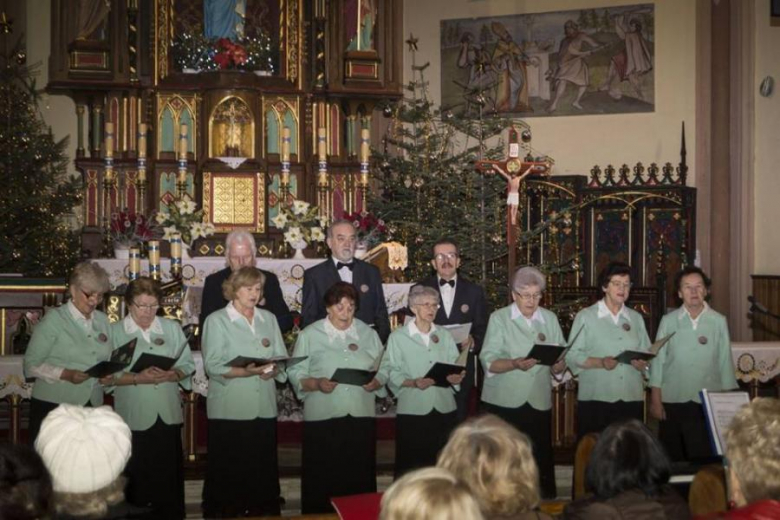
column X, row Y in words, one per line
column 224, row 19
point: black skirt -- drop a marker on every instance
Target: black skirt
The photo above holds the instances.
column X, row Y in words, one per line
column 155, row 471
column 38, row 411
column 594, row 416
column 339, row 459
column 537, row 424
column 242, row 470
column 420, row 438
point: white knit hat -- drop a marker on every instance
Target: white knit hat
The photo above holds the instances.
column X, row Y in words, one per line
column 85, row 449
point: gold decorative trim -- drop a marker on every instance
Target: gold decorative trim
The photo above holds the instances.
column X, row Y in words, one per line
column 270, row 104
column 190, row 102
column 210, row 146
column 209, row 178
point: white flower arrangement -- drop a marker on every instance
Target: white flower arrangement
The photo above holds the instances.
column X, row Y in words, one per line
column 185, row 219
column 300, row 223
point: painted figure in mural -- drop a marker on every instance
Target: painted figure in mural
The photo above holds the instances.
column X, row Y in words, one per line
column 572, row 67
column 510, row 62
column 482, row 75
column 224, row 19
column 360, row 19
column 633, row 61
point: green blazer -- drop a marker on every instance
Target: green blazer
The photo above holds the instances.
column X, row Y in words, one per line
column 508, row 339
column 693, row 359
column 602, row 338
column 240, row 398
column 59, row 340
column 407, row 357
column 324, row 358
column 140, row 405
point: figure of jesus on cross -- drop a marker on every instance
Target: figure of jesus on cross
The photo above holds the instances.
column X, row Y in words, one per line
column 514, row 169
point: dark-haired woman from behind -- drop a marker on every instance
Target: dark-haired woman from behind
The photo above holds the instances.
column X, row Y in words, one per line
column 26, row 491
column 628, row 476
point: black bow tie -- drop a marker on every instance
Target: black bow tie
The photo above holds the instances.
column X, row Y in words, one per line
column 444, row 282
column 349, row 266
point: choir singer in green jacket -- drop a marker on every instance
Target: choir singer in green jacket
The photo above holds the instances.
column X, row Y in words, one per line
column 517, row 388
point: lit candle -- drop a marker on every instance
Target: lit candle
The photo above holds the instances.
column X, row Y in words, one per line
column 176, row 253
column 109, row 139
column 321, row 145
column 154, row 259
column 183, row 141
column 364, row 140
column 142, row 140
column 285, row 144
column 135, row 263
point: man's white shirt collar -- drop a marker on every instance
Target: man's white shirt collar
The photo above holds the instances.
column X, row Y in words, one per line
column 603, row 311
column 131, row 327
column 536, row 316
column 78, row 316
column 334, row 333
column 414, row 330
column 694, row 322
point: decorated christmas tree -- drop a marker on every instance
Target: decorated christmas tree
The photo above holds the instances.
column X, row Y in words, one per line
column 38, row 194
column 429, row 187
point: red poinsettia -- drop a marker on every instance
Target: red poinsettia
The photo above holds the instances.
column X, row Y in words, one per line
column 230, row 54
column 370, row 229
column 128, row 228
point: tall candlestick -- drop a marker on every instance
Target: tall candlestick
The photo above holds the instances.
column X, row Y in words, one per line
column 154, row 259
column 286, row 144
column 364, row 151
column 134, row 268
column 176, row 255
column 142, row 129
column 109, row 144
column 364, row 145
column 183, row 148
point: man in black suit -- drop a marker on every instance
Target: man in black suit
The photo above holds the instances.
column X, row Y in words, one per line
column 240, row 251
column 343, row 266
column 461, row 301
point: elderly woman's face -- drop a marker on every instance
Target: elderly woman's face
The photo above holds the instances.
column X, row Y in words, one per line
column 248, row 296
column 85, row 300
column 425, row 309
column 617, row 290
column 341, row 314
column 527, row 299
column 144, row 309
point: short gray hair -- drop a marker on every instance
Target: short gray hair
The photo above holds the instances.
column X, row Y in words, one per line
column 237, row 237
column 527, row 277
column 89, row 275
column 420, row 292
column 338, row 222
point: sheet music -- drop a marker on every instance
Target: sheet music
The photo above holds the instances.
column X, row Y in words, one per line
column 460, row 331
column 721, row 407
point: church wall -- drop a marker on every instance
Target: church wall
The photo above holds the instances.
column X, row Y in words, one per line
column 577, row 143
column 58, row 111
column 767, row 151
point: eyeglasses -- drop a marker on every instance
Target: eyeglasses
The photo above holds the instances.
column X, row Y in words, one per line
column 97, row 296
column 152, row 308
column 433, row 306
column 620, row 285
column 449, row 256
column 529, row 297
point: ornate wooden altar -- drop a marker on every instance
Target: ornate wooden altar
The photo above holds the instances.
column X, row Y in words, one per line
column 642, row 216
column 326, row 64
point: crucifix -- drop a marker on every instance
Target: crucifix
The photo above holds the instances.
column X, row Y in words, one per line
column 514, row 169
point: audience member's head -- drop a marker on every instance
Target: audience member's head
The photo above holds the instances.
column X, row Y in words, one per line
column 86, row 450
column 753, row 452
column 496, row 462
column 25, row 485
column 429, row 494
column 627, row 457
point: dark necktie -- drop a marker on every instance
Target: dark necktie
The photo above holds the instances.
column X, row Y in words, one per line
column 349, row 266
column 443, row 282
